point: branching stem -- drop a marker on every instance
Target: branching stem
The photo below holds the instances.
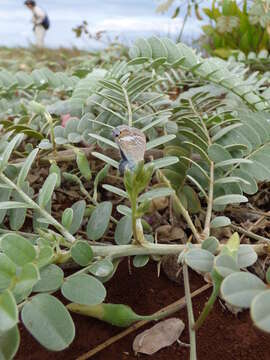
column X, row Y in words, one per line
column 70, row 238
column 181, row 208
column 250, row 234
column 117, row 251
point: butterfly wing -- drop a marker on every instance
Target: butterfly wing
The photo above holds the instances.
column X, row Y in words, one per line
column 132, row 144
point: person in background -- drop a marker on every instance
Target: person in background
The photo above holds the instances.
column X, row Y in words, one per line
column 40, row 20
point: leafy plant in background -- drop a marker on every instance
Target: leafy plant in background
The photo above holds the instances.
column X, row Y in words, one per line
column 231, row 28
column 83, row 30
column 189, row 6
column 256, row 62
column 234, row 28
column 207, row 148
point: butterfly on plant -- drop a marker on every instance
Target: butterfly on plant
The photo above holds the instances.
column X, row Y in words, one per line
column 132, row 146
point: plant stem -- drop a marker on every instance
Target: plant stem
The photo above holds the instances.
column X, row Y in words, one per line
column 179, row 37
column 249, row 233
column 192, row 334
column 116, row 251
column 70, row 238
column 137, row 227
column 50, row 121
column 206, row 230
column 209, row 305
column 133, row 215
column 182, row 209
column 188, row 219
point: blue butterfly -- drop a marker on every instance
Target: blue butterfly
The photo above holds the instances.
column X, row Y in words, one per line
column 132, row 146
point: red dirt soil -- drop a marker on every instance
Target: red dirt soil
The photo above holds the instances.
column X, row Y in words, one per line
column 223, row 336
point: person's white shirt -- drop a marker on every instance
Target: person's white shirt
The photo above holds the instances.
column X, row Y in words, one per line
column 38, row 15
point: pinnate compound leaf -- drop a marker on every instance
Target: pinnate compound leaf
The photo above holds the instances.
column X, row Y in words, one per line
column 49, row 322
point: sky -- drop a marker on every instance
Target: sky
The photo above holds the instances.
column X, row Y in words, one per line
column 127, row 19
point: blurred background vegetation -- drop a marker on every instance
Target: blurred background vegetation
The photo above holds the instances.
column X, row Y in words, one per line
column 229, row 26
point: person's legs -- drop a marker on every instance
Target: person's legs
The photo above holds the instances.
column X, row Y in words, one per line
column 40, row 35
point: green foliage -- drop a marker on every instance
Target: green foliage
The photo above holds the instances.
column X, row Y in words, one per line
column 84, row 289
column 206, row 123
column 9, row 343
column 99, row 221
column 51, row 279
column 82, row 253
column 233, row 28
column 46, row 309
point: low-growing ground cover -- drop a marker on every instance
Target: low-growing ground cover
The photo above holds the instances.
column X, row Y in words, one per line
column 69, row 217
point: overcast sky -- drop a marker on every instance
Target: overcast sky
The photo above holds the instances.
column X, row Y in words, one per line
column 126, row 18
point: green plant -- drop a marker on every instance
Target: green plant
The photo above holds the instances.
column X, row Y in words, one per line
column 189, row 6
column 233, row 28
column 207, row 149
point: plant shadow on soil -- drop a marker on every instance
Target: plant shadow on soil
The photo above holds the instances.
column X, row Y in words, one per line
column 223, row 336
